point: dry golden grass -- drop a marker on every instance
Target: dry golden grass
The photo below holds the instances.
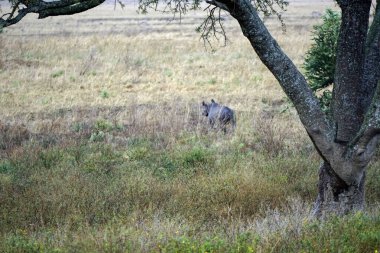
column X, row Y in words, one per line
column 145, row 72
column 118, row 58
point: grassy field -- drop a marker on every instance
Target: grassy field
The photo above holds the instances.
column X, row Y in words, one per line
column 103, row 147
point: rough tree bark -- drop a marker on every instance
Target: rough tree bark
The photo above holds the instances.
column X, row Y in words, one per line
column 371, row 67
column 349, row 69
column 349, row 98
column 335, row 195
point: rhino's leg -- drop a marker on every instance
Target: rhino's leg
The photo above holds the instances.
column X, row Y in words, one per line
column 212, row 122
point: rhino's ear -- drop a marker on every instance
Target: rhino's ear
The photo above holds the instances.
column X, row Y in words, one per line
column 203, row 103
column 213, row 101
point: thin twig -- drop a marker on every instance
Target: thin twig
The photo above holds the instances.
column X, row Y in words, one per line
column 15, row 7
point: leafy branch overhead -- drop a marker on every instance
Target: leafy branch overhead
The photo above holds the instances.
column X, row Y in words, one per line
column 320, row 59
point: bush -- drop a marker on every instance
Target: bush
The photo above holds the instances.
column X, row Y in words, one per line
column 320, row 59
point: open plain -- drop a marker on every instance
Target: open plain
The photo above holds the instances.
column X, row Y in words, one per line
column 103, row 147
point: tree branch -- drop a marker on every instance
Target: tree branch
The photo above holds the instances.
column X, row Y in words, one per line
column 212, row 26
column 373, row 32
column 361, row 149
column 69, row 9
column 349, row 69
column 53, row 8
column 372, row 61
column 16, row 19
column 57, row 4
column 371, row 125
column 15, row 7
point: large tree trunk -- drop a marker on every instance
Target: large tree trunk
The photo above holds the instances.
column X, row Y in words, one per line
column 350, row 101
column 335, row 196
column 372, row 63
column 348, row 89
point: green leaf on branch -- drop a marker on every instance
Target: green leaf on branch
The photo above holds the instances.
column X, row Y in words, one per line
column 320, row 59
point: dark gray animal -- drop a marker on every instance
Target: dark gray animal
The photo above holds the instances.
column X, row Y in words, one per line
column 219, row 115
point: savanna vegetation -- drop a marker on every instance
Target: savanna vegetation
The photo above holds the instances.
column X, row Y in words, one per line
column 103, row 147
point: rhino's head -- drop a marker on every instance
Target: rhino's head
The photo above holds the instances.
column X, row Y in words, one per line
column 206, row 109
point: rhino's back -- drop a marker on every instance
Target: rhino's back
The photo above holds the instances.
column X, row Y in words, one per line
column 222, row 113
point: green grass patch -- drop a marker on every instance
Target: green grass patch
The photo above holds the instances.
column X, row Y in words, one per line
column 57, row 74
column 355, row 233
column 190, row 194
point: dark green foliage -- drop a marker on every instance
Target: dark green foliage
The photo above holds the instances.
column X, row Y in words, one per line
column 103, row 125
column 6, row 167
column 320, row 59
column 195, row 157
column 48, row 158
column 325, row 100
